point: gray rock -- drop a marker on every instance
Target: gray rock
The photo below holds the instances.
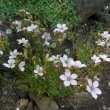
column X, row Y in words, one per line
column 44, row 103
column 22, row 93
column 30, row 106
column 90, row 7
column 23, row 104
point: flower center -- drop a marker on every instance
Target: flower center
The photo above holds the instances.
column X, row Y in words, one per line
column 92, row 88
column 68, row 78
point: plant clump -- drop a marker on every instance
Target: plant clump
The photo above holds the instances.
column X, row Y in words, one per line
column 45, row 67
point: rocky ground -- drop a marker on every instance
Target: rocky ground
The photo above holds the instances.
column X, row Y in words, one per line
column 11, row 97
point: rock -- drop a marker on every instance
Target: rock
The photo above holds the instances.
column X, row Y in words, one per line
column 30, row 106
column 36, row 107
column 44, row 103
column 90, row 7
column 19, row 92
column 23, row 104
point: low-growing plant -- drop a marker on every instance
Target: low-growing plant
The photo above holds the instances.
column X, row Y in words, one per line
column 49, row 12
column 45, row 67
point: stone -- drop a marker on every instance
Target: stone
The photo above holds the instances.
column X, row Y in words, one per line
column 19, row 92
column 44, row 103
column 36, row 107
column 23, row 104
column 30, row 106
column 90, row 7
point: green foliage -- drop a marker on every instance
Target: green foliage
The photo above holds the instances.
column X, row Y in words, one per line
column 49, row 12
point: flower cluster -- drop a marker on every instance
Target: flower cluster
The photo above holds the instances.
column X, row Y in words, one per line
column 106, row 38
column 48, row 69
column 97, row 59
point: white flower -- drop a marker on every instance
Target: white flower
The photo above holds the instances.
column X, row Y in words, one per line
column 66, row 61
column 67, row 51
column 1, row 52
column 39, row 70
column 55, row 59
column 96, row 59
column 46, row 43
column 100, row 43
column 17, row 108
column 46, row 36
column 21, row 66
column 13, row 54
column 68, row 78
column 22, row 41
column 17, row 22
column 77, row 64
column 92, row 88
column 8, row 31
column 105, row 35
column 27, row 13
column 18, row 25
column 18, row 28
column 32, row 27
column 106, row 7
column 11, row 63
column 53, row 45
column 61, row 28
column 104, row 57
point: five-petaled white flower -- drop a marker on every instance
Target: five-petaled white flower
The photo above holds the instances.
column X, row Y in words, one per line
column 105, row 34
column 10, row 64
column 32, row 27
column 96, row 59
column 46, row 36
column 61, row 28
column 66, row 61
column 46, row 43
column 104, row 57
column 101, row 42
column 21, row 66
column 18, row 25
column 13, row 54
column 77, row 64
column 68, row 78
column 1, row 52
column 55, row 59
column 39, row 70
column 23, row 41
column 92, row 88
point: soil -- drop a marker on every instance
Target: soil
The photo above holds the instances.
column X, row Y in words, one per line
column 81, row 101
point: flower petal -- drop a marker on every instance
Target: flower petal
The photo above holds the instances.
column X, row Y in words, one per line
column 63, row 25
column 63, row 77
column 67, row 73
column 89, row 82
column 88, row 89
column 95, row 84
column 94, row 95
column 73, row 82
column 59, row 25
column 35, row 71
column 98, row 91
column 66, row 83
column 40, row 74
column 74, row 76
